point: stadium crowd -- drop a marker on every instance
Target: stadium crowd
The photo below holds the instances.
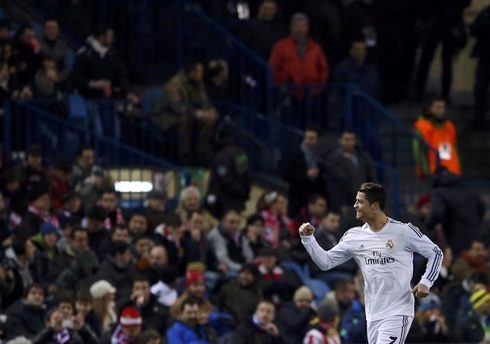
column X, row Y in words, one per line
column 76, row 267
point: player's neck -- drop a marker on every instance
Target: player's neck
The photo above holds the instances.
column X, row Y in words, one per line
column 377, row 222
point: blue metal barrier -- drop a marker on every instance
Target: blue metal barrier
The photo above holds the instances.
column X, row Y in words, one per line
column 31, row 122
column 157, row 38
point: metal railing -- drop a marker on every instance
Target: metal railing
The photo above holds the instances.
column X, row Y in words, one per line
column 25, row 123
column 158, row 37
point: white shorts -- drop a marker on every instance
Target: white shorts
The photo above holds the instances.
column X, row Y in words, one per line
column 393, row 330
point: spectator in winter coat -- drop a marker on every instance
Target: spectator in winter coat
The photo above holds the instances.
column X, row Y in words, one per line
column 184, row 105
column 103, row 295
column 230, row 182
column 189, row 201
column 184, row 330
column 355, row 70
column 347, row 167
column 98, row 71
column 460, row 211
column 55, row 47
column 432, row 321
column 157, row 260
column 471, row 260
column 118, row 270
column 155, row 316
column 295, row 316
column 251, row 236
column 471, row 328
column 56, row 333
column 298, row 58
column 260, row 328
column 98, row 237
column 195, row 288
column 302, row 171
column 263, row 31
column 129, row 327
column 480, row 29
column 26, row 316
column 238, row 297
column 278, row 284
column 223, row 242
column 353, row 327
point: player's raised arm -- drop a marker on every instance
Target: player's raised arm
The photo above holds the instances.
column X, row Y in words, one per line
column 325, row 260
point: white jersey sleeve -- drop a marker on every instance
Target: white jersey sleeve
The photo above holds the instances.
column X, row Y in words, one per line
column 327, row 260
column 417, row 242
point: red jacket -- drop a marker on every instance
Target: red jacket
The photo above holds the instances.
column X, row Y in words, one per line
column 287, row 66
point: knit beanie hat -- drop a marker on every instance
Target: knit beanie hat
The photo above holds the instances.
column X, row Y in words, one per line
column 130, row 316
column 303, row 293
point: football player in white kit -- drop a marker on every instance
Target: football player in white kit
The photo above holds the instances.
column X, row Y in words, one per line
column 383, row 248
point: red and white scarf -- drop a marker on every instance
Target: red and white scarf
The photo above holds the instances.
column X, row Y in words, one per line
column 119, row 219
column 276, row 272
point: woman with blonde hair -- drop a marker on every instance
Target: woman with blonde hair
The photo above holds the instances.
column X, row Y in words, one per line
column 103, row 294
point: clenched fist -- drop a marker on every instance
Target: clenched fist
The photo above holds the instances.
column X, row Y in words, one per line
column 306, row 229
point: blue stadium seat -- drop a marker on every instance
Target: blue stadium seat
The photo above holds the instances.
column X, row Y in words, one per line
column 318, row 288
column 297, row 269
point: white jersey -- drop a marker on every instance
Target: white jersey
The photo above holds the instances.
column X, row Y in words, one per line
column 385, row 259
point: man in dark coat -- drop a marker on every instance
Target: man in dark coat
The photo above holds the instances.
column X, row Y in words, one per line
column 347, row 168
column 229, row 186
column 481, row 30
column 302, row 171
column 265, row 30
column 26, row 317
column 261, row 328
column 118, row 270
column 98, row 70
column 155, row 315
column 457, row 209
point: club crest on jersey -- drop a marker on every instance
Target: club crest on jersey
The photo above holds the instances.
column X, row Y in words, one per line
column 389, row 244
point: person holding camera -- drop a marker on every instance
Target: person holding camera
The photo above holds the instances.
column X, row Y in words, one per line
column 59, row 330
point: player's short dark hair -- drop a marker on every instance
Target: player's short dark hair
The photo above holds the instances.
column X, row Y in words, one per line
column 375, row 193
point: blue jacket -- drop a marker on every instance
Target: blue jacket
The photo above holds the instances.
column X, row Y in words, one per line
column 181, row 333
column 353, row 326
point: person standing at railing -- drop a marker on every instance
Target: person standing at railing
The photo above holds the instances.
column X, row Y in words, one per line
column 262, row 32
column 98, row 70
column 184, row 106
column 345, row 169
column 355, row 70
column 439, row 133
column 303, row 172
column 298, row 59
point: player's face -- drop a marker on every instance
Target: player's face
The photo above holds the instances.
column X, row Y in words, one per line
column 363, row 207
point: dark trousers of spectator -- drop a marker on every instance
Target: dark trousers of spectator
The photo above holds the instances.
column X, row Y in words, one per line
column 195, row 137
column 482, row 84
column 429, row 46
